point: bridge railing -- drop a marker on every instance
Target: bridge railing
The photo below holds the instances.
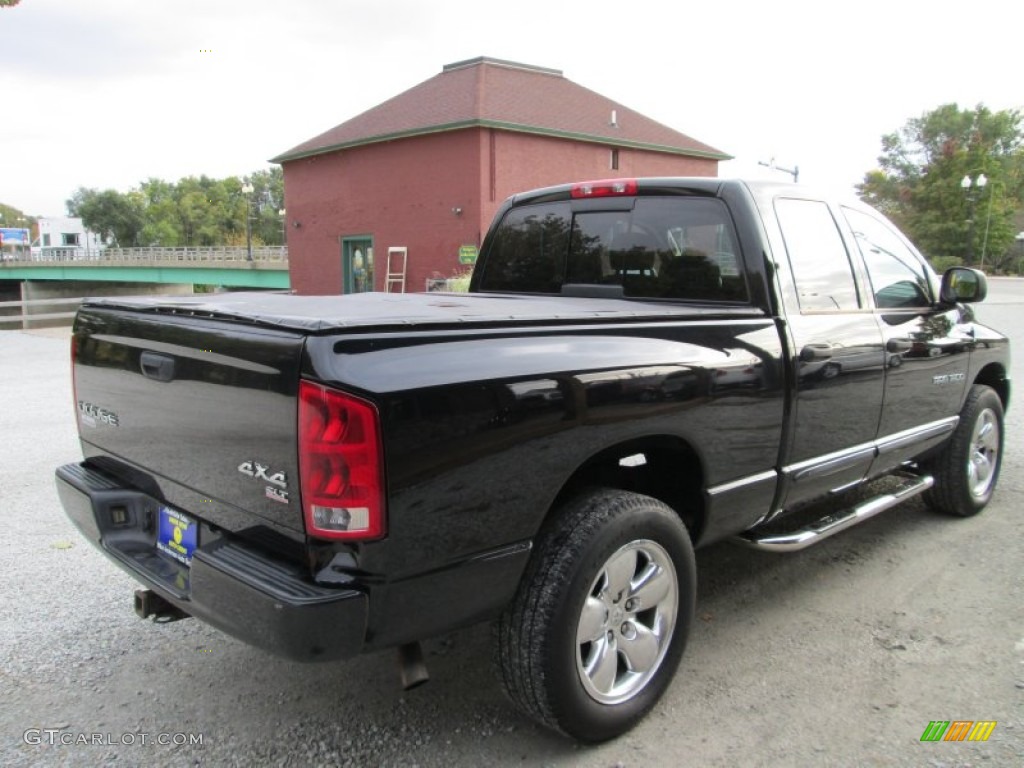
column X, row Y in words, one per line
column 270, row 256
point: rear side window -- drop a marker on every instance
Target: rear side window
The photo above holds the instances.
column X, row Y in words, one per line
column 821, row 266
column 662, row 248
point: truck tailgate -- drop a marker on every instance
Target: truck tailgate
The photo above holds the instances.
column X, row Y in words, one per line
column 202, row 409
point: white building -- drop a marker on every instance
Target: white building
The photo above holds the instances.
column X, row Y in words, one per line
column 61, row 236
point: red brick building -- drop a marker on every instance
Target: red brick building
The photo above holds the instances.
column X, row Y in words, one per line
column 427, row 169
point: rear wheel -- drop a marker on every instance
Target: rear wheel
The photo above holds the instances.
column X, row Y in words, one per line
column 594, row 634
column 967, row 469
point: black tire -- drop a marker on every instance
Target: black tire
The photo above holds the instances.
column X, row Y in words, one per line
column 593, row 543
column 967, row 469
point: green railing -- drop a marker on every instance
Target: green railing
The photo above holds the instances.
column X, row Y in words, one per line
column 221, row 256
column 264, row 267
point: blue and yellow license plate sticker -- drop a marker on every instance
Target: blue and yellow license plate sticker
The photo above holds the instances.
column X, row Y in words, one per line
column 177, row 535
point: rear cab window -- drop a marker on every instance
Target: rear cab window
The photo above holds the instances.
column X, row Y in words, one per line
column 682, row 248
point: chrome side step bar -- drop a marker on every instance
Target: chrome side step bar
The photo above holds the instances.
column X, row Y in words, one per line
column 833, row 523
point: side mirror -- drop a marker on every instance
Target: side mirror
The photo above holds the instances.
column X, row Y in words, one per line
column 963, row 284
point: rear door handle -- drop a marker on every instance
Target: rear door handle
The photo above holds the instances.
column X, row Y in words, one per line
column 157, row 367
column 812, row 353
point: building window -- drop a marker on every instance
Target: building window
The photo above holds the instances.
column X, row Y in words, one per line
column 69, row 239
column 614, row 160
column 46, row 240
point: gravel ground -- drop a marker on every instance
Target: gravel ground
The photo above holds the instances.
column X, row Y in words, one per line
column 837, row 656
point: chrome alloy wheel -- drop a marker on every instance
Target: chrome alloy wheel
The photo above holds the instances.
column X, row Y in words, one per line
column 626, row 623
column 983, row 458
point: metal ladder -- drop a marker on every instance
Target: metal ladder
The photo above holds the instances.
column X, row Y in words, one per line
column 396, row 277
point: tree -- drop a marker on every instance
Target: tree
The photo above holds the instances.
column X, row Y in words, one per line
column 160, row 225
column 194, row 211
column 922, row 167
column 266, row 205
column 115, row 217
column 15, row 217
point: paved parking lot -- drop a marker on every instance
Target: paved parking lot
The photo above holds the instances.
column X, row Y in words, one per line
column 840, row 655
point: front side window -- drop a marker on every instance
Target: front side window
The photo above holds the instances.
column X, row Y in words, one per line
column 821, row 267
column 898, row 279
column 661, row 248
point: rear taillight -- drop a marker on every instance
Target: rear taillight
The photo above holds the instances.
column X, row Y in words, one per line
column 604, row 188
column 340, row 466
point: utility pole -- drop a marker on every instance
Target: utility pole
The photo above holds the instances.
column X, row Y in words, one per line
column 247, row 191
column 794, row 171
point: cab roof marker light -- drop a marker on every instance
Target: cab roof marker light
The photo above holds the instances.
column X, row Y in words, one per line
column 604, row 188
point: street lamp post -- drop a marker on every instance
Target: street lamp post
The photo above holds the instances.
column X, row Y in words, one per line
column 247, row 191
column 993, row 188
column 972, row 188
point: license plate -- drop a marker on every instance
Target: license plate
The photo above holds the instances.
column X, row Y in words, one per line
column 177, row 535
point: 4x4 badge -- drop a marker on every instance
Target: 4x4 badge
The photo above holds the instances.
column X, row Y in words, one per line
column 259, row 471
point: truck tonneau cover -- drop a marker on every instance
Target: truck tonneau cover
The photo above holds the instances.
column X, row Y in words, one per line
column 319, row 314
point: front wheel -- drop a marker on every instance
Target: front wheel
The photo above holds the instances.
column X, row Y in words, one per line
column 967, row 469
column 596, row 630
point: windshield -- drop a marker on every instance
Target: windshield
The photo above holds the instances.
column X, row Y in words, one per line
column 668, row 248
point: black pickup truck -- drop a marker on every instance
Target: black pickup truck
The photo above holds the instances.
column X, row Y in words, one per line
column 641, row 367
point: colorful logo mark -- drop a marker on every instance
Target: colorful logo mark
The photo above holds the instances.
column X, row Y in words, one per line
column 958, row 730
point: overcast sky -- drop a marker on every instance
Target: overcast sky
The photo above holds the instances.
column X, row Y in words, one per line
column 107, row 93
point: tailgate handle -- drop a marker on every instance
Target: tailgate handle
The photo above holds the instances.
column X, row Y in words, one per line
column 158, row 367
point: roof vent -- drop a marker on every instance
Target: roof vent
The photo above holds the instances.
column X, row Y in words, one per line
column 614, row 121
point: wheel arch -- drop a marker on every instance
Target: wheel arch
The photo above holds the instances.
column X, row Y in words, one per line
column 665, row 467
column 994, row 375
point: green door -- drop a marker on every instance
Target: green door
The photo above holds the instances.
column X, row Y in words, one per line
column 357, row 264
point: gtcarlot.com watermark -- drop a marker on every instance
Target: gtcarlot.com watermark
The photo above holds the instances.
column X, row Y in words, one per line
column 58, row 737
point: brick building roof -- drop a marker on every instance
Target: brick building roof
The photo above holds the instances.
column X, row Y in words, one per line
column 492, row 93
